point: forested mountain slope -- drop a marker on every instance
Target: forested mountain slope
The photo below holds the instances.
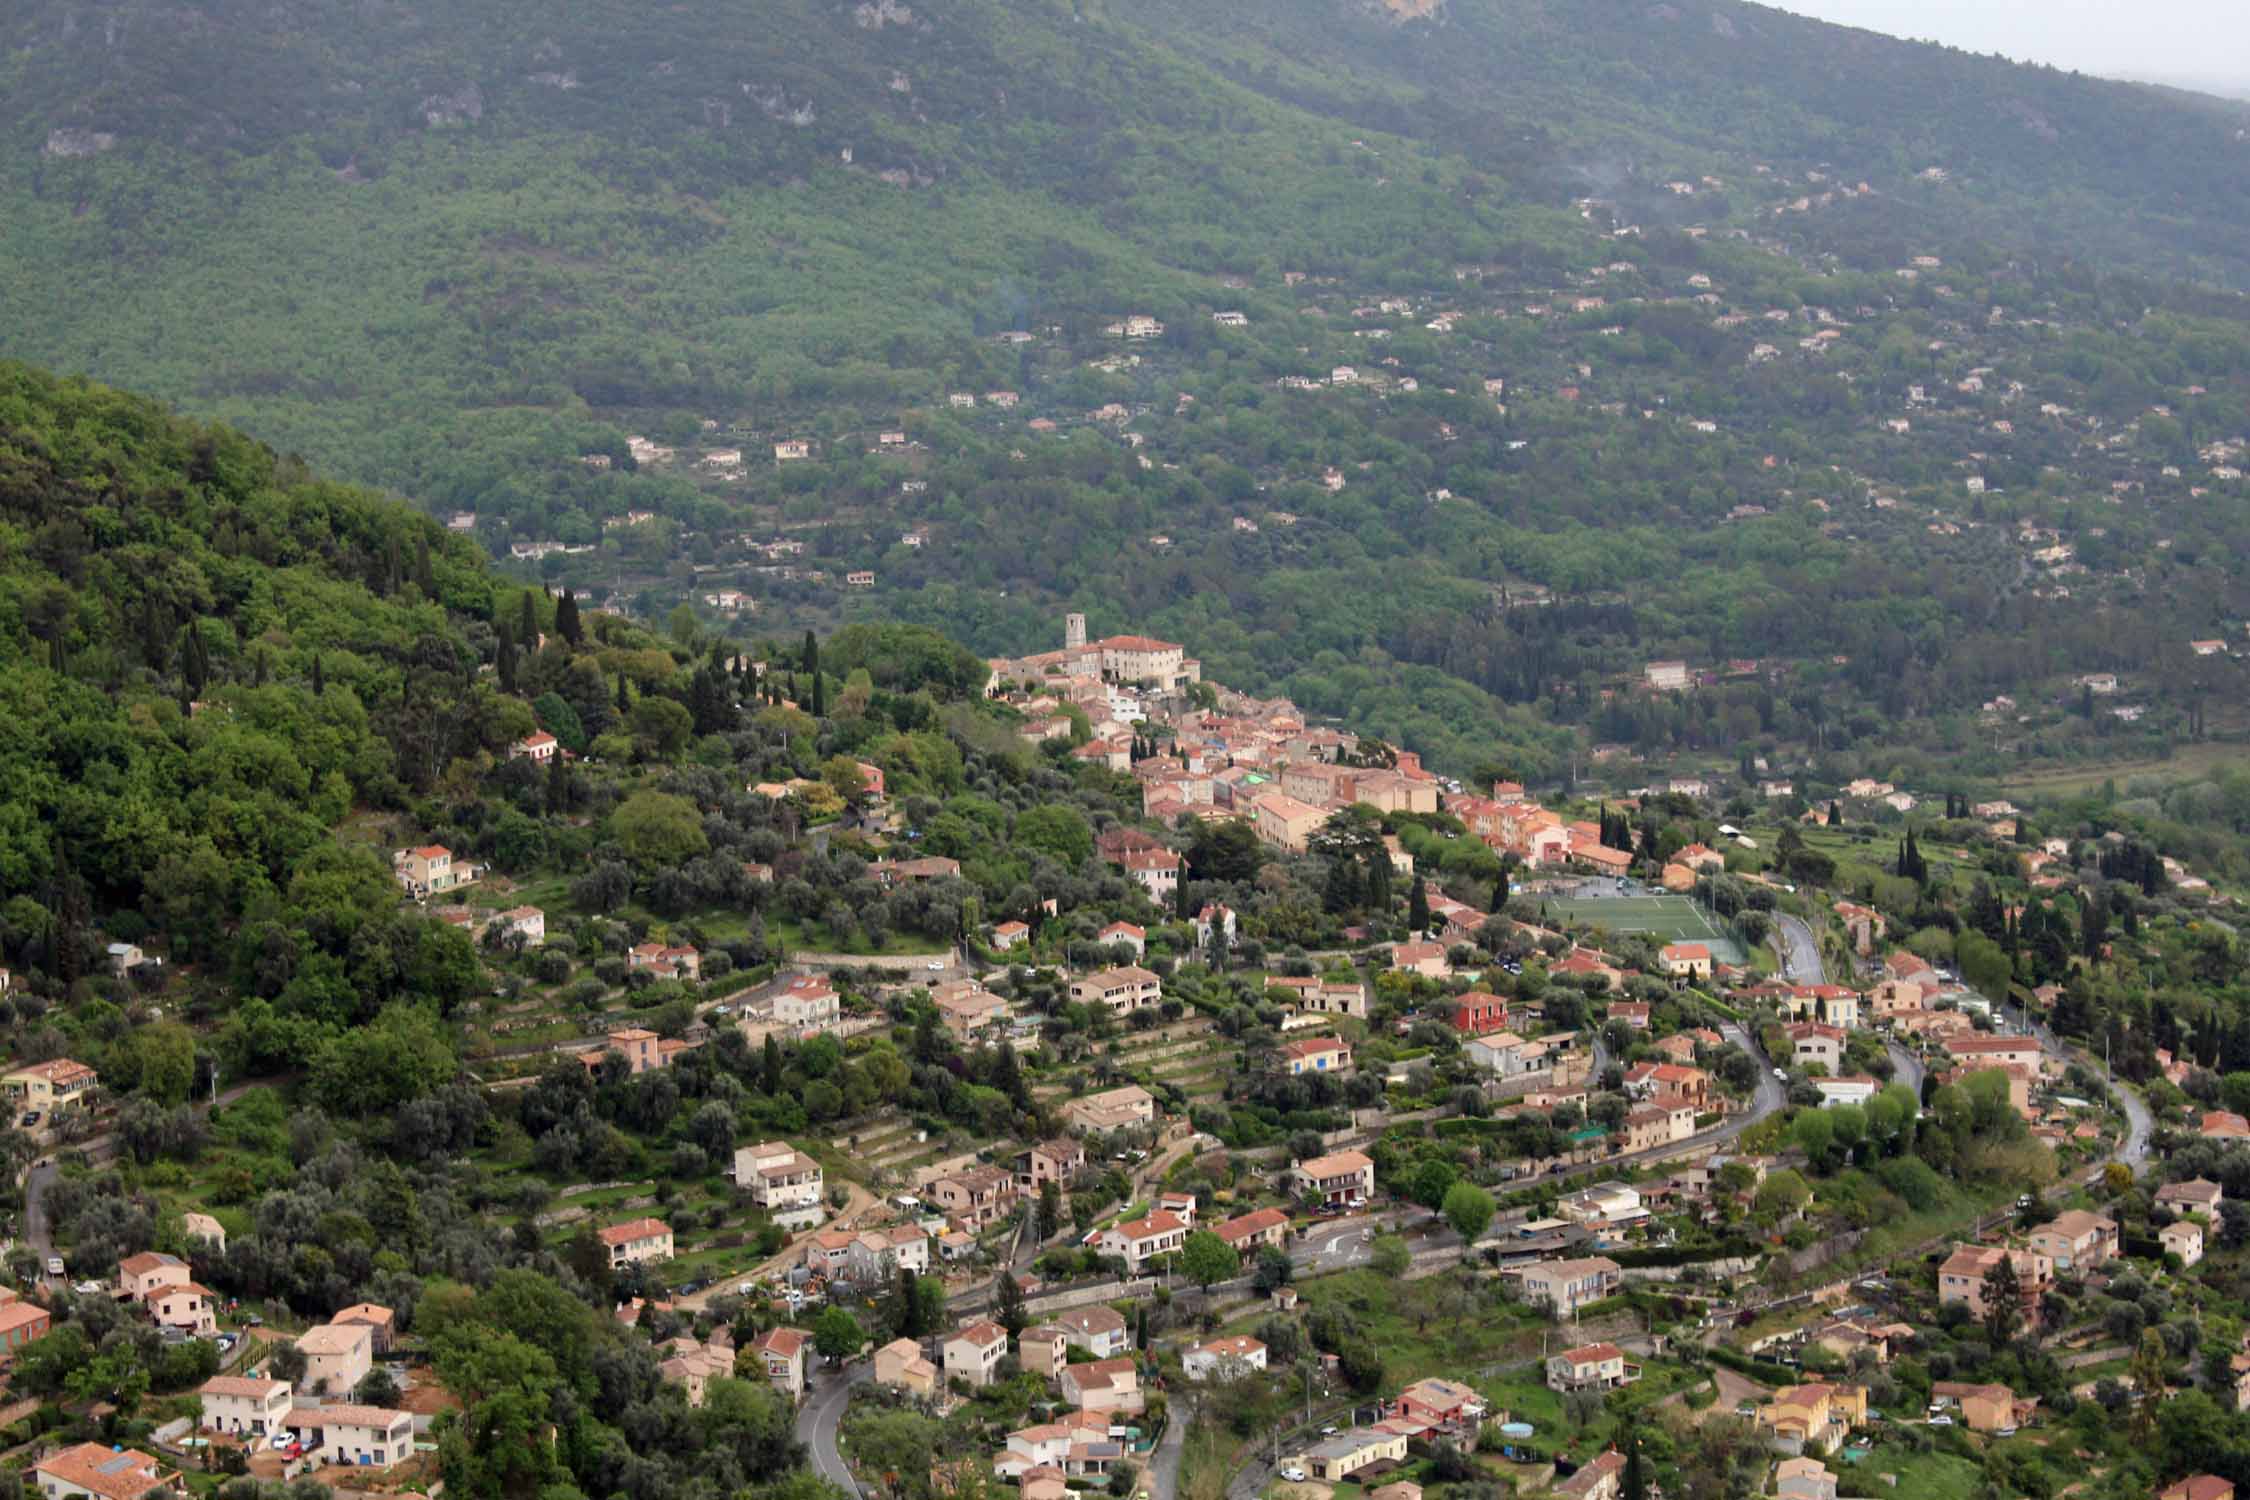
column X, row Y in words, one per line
column 208, row 658
column 466, row 251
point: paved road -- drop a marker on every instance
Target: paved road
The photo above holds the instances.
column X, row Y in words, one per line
column 1909, row 1067
column 2139, row 1123
column 1800, row 951
column 1164, row 1463
column 822, row 1417
column 1337, row 1245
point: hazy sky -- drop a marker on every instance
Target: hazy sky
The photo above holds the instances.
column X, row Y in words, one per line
column 2208, row 40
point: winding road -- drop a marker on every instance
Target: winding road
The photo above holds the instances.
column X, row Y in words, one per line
column 822, row 1418
column 1800, row 951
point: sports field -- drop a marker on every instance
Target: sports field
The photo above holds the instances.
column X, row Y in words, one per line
column 1669, row 919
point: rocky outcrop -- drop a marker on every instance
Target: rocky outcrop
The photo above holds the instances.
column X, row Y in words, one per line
column 462, row 106
column 74, row 141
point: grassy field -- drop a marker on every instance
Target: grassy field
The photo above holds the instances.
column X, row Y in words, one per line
column 1671, row 919
column 1925, row 1476
column 2183, row 764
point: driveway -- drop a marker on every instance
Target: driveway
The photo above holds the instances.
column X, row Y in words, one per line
column 822, row 1418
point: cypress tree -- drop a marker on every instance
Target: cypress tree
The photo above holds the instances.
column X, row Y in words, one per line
column 624, row 700
column 566, row 619
column 1418, row 906
column 527, row 623
column 423, row 577
column 810, row 655
column 819, row 696
column 320, row 679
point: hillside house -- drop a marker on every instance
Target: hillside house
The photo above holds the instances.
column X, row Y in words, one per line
column 1226, row 1358
column 1340, row 1177
column 1120, row 1108
column 2197, row 1195
column 1100, row 1330
column 365, row 1437
column 1326, row 1054
column 636, row 1242
column 902, row 1365
column 1983, row 1408
column 2076, row 1240
column 974, row 1197
column 1119, row 991
column 2183, row 1238
column 1961, row 1279
column 98, row 1471
column 808, row 1003
column 783, row 1181
column 1124, row 935
column 1156, row 871
column 1425, row 959
column 1139, row 1241
column 337, row 1358
column 1590, row 1367
column 1103, row 1385
column 1479, row 1013
column 783, row 1353
column 244, row 1407
column 973, row 1353
column 1811, row 1044
column 1056, row 1161
column 1247, row 1233
column 1813, row 1418
column 431, row 870
column 1336, row 1459
column 1564, row 1286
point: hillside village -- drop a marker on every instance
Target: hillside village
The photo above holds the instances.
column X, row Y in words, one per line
column 1176, row 752
column 1597, row 1069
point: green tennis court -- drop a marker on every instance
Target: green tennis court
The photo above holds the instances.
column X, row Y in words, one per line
column 1670, row 919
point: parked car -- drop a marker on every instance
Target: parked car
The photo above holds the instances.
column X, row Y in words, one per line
column 54, row 1265
column 31, row 1118
column 1293, row 1474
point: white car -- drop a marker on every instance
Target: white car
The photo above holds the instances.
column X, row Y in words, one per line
column 1941, row 1421
column 1293, row 1474
column 1781, row 1075
column 934, row 966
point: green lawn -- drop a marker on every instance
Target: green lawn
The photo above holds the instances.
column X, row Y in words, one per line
column 1923, row 1476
